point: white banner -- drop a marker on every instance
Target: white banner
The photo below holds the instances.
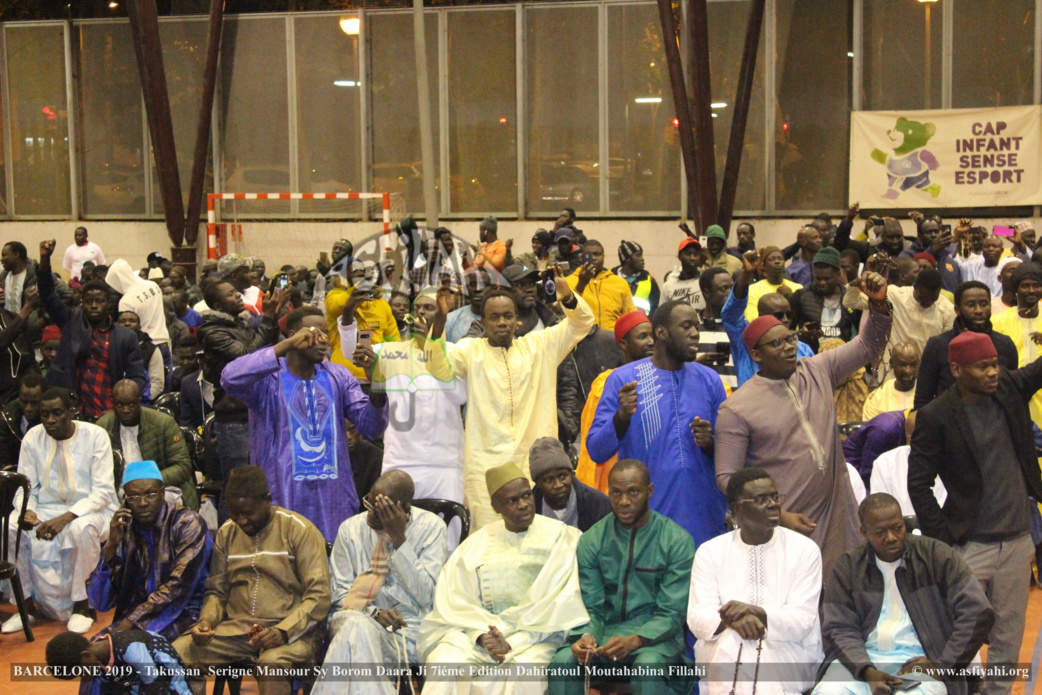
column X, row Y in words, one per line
column 951, row 158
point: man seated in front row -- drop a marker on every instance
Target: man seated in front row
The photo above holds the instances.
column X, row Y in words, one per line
column 756, row 587
column 145, row 434
column 384, row 565
column 900, row 605
column 268, row 592
column 71, row 500
column 558, row 493
column 154, row 565
column 509, row 594
column 634, row 569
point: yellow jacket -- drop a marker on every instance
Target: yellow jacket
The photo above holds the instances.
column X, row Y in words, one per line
column 608, row 295
column 374, row 315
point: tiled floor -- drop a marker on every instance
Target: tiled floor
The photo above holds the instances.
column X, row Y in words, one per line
column 14, row 649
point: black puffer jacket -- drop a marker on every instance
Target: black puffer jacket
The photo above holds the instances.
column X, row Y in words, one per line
column 225, row 338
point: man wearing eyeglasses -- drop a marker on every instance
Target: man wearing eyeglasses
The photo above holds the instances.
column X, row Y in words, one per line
column 154, row 566
column 757, row 586
column 732, row 316
column 784, row 420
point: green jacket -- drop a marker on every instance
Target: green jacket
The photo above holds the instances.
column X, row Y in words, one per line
column 162, row 441
column 636, row 582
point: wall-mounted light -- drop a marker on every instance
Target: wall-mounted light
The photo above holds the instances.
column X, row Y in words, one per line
column 350, row 25
column 346, row 83
column 718, row 105
column 648, row 100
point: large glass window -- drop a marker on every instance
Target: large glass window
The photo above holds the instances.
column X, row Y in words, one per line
column 993, row 53
column 111, row 121
column 899, row 72
column 329, row 85
column 728, row 20
column 39, row 120
column 812, row 122
column 563, row 109
column 255, row 123
column 184, row 60
column 643, row 143
column 397, row 161
column 482, row 111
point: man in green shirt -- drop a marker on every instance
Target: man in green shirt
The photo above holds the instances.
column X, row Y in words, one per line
column 635, row 573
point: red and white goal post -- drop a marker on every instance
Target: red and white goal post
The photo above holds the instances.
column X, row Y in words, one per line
column 217, row 232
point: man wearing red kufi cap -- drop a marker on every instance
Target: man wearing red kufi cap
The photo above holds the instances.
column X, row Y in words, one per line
column 784, row 420
column 977, row 437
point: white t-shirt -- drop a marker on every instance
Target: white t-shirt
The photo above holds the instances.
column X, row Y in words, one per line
column 674, row 289
column 76, row 256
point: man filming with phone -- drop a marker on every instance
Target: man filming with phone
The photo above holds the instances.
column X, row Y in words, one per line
column 607, row 294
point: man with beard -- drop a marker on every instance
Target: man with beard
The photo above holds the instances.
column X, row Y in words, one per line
column 717, row 255
column 985, row 268
column 743, row 582
column 636, row 617
column 784, row 420
column 1023, row 324
column 897, row 393
column 973, row 313
column 663, row 410
column 298, row 403
column 558, row 493
column 891, row 241
column 817, row 309
column 154, row 565
column 636, row 341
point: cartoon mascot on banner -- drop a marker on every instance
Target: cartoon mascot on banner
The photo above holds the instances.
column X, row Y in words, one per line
column 909, row 165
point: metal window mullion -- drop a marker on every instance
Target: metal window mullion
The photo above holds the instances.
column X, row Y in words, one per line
column 858, row 65
column 70, row 109
column 363, row 100
column 521, row 117
column 291, row 106
column 5, row 89
column 443, row 109
column 602, row 105
column 770, row 80
column 947, row 34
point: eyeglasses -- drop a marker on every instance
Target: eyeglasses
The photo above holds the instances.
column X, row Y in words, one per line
column 148, row 497
column 779, row 343
column 367, row 504
column 764, row 500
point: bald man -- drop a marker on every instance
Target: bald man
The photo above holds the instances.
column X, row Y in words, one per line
column 383, row 567
column 897, row 393
column 144, row 434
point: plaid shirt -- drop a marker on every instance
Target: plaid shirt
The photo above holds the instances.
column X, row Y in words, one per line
column 92, row 376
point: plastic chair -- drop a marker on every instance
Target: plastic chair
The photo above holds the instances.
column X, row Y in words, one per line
column 848, row 428
column 169, row 403
column 10, row 483
column 448, row 510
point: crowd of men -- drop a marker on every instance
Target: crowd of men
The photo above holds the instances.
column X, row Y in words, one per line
column 810, row 468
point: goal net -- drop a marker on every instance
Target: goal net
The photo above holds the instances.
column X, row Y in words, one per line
column 294, row 228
